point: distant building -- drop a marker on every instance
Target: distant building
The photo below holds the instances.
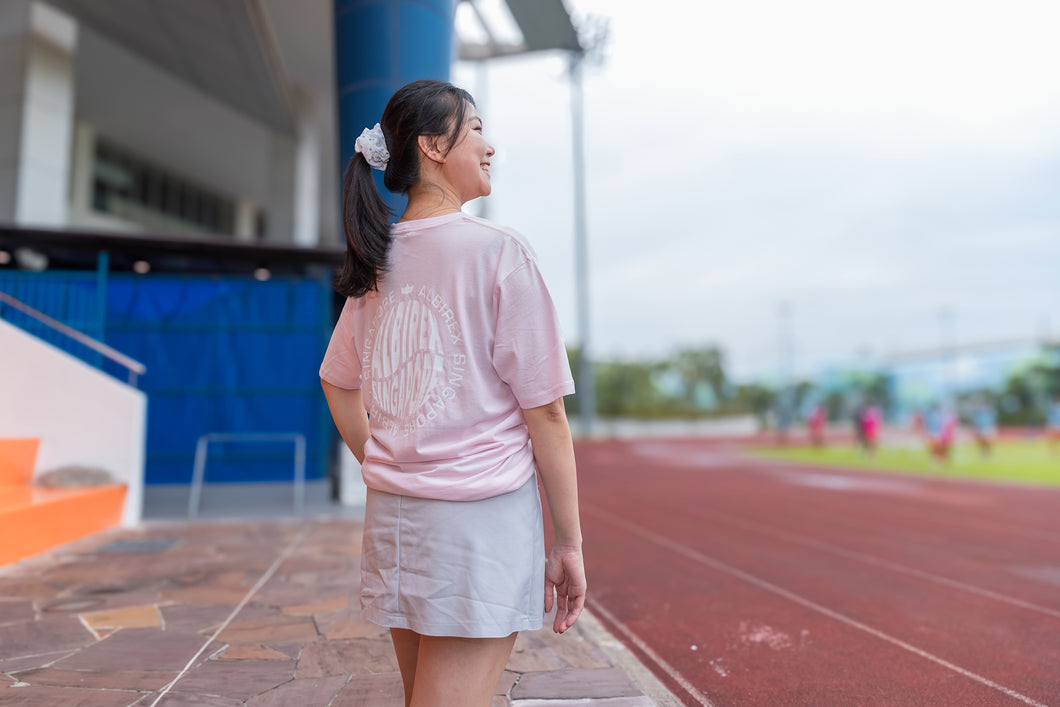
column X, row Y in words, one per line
column 938, row 375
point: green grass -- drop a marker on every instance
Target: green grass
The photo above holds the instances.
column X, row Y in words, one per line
column 1025, row 460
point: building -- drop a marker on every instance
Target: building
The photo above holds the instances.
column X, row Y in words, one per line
column 169, row 185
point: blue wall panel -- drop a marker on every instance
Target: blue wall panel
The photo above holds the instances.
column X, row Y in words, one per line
column 230, row 355
column 223, row 354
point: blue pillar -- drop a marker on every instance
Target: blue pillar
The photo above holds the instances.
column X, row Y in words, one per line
column 380, row 45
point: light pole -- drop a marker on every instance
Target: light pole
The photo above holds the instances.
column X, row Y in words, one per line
column 786, row 348
column 786, row 343
column 586, row 388
column 949, row 354
column 592, row 39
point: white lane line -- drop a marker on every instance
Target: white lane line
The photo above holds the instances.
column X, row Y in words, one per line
column 698, row 696
column 788, row 536
column 699, row 557
column 295, row 541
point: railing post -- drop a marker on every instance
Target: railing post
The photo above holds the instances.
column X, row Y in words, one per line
column 198, row 473
column 102, row 271
column 299, row 473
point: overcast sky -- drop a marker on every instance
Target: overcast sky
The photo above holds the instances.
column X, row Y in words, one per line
column 887, row 173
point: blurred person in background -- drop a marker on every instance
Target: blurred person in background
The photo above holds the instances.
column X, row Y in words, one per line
column 984, row 426
column 872, row 424
column 859, row 426
column 916, row 422
column 816, row 423
column 940, row 425
column 445, row 376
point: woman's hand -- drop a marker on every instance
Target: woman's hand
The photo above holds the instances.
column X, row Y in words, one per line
column 565, row 584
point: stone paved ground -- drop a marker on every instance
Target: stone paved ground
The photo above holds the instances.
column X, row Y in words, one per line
column 259, row 614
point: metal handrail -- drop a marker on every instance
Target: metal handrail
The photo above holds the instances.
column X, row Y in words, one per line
column 134, row 367
column 198, row 474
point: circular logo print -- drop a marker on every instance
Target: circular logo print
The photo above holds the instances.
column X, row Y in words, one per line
column 407, row 358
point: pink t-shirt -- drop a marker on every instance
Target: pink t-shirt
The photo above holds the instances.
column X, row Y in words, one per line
column 460, row 336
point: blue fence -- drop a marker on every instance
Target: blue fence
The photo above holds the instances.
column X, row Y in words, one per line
column 223, row 354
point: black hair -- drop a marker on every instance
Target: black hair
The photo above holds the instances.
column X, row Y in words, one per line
column 424, row 107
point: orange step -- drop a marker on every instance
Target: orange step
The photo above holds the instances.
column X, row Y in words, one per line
column 33, row 520
column 18, row 456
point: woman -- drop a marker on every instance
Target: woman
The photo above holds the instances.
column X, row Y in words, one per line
column 445, row 376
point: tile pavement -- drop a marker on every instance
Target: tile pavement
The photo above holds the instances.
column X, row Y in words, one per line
column 256, row 613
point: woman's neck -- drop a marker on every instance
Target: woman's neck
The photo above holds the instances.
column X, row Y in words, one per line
column 428, row 201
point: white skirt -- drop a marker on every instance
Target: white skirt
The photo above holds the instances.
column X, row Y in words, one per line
column 474, row 569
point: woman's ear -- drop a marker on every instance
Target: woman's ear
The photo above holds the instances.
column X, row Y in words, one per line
column 429, row 147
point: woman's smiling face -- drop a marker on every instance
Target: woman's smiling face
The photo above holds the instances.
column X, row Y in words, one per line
column 467, row 165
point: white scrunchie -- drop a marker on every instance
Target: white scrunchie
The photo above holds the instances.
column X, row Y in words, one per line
column 372, row 145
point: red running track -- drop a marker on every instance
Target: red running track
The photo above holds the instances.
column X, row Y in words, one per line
column 747, row 582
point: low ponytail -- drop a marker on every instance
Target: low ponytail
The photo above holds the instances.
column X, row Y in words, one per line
column 425, row 107
column 366, row 221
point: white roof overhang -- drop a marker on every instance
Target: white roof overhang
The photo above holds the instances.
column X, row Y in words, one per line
column 225, row 49
column 229, row 50
column 540, row 25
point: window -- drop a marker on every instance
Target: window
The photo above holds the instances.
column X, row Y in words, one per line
column 132, row 188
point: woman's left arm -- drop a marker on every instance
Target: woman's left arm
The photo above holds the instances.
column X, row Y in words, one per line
column 351, row 419
column 565, row 568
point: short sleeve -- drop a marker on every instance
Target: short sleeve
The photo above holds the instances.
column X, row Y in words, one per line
column 342, row 360
column 528, row 351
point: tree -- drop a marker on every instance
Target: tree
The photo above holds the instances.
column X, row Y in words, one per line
column 1029, row 388
column 574, row 358
column 627, row 389
column 696, row 366
column 755, row 399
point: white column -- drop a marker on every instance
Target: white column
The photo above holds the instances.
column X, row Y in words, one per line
column 306, row 173
column 47, row 116
column 280, row 204
column 14, row 53
column 84, row 160
column 246, row 220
